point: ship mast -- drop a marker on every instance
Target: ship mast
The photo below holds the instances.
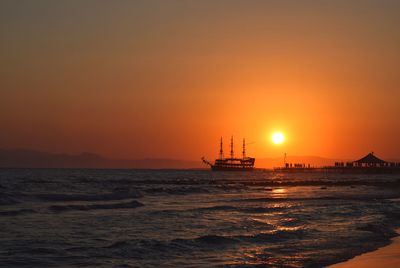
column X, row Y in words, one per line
column 221, row 151
column 244, row 149
column 232, row 147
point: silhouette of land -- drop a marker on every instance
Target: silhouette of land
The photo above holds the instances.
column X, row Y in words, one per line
column 22, row 158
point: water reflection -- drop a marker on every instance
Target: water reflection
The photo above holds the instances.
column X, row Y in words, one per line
column 279, row 193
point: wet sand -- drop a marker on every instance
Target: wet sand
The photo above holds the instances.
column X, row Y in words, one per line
column 388, row 256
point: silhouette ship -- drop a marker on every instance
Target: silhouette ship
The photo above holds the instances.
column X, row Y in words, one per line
column 231, row 164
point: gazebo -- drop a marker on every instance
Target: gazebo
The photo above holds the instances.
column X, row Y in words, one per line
column 370, row 160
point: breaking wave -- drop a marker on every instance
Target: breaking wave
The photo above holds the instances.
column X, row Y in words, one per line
column 206, row 241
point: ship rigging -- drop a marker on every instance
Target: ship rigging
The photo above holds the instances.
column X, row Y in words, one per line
column 231, row 163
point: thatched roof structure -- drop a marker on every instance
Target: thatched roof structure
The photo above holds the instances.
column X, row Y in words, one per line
column 370, row 159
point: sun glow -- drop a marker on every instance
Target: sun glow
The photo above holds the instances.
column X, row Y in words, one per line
column 278, row 137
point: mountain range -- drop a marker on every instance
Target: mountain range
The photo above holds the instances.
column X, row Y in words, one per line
column 23, row 158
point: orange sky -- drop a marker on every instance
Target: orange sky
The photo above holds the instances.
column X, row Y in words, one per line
column 133, row 79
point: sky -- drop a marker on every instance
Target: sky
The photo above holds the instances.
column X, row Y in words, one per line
column 167, row 79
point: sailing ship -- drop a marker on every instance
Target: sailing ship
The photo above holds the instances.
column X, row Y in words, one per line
column 231, row 163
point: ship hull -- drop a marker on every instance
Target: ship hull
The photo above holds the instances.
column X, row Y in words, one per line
column 219, row 168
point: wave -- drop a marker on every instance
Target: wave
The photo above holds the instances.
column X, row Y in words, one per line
column 275, row 236
column 60, row 208
column 8, row 199
column 216, row 208
column 119, row 244
column 16, row 212
column 216, row 240
column 240, row 182
column 252, row 239
column 41, row 251
column 241, row 209
column 327, row 198
column 176, row 190
column 203, row 243
column 382, row 229
column 85, row 197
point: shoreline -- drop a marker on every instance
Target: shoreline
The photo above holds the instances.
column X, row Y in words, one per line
column 387, row 256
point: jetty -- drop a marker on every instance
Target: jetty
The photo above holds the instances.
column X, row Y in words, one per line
column 369, row 164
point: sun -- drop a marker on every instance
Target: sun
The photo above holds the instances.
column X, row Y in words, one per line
column 278, row 137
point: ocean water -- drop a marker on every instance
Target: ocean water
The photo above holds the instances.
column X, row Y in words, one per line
column 165, row 218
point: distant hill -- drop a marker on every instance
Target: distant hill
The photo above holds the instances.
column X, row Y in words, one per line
column 21, row 158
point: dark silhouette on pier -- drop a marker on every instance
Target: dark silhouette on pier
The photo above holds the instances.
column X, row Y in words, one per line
column 367, row 164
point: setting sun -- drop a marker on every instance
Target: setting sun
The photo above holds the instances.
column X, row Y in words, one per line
column 278, row 138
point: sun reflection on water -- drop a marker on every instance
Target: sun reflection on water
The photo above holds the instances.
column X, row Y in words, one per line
column 279, row 190
column 279, row 193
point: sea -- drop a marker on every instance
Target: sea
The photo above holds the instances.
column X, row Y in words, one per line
column 192, row 218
